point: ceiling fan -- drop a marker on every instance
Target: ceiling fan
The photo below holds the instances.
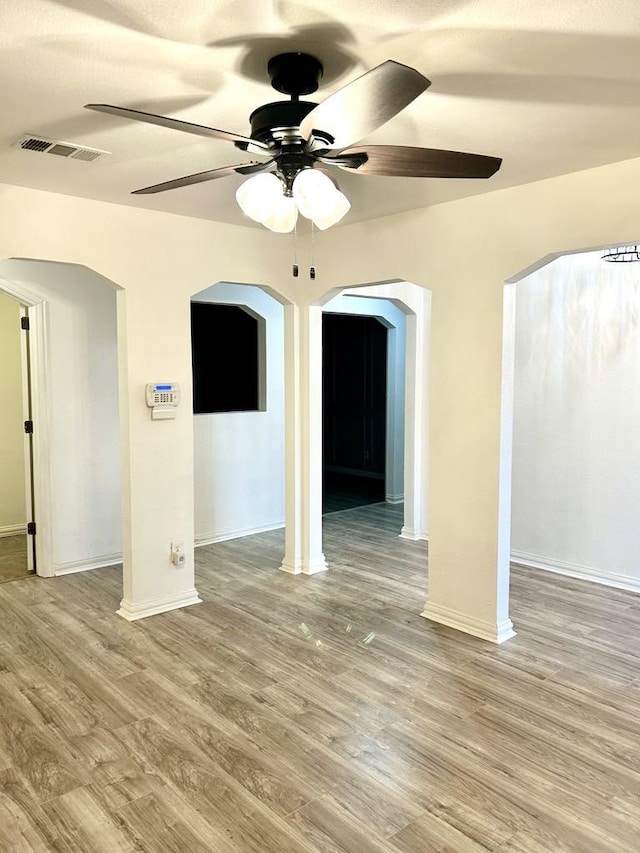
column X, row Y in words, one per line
column 297, row 135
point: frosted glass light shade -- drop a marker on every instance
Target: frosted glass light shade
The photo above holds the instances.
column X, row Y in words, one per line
column 331, row 210
column 282, row 216
column 308, row 185
column 319, row 199
column 258, row 195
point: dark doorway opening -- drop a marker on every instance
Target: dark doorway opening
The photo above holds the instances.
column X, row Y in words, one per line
column 354, row 370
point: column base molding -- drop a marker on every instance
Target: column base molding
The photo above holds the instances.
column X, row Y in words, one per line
column 413, row 535
column 494, row 633
column 299, row 567
column 132, row 612
column 291, row 567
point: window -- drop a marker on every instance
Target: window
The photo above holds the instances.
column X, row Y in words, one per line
column 227, row 351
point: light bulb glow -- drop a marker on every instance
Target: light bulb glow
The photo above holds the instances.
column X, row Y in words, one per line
column 319, row 199
column 282, row 216
column 258, row 195
column 332, row 211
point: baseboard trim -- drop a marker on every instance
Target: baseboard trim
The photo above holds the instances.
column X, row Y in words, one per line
column 212, row 538
column 394, row 499
column 576, row 570
column 132, row 612
column 494, row 633
column 413, row 535
column 86, row 565
column 13, row 530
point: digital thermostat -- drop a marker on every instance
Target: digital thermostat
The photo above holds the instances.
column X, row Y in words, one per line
column 163, row 398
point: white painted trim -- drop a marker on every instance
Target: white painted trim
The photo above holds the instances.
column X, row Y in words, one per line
column 493, row 632
column 576, row 570
column 13, row 530
column 413, row 535
column 299, row 567
column 291, row 567
column 394, row 499
column 41, row 408
column 41, row 412
column 87, row 564
column 314, row 566
column 25, row 376
column 211, row 538
column 132, row 612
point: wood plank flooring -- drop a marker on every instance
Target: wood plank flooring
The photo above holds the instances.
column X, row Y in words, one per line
column 317, row 714
column 13, row 558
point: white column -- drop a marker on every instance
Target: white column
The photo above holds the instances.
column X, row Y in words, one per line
column 157, row 458
column 303, row 440
column 470, row 464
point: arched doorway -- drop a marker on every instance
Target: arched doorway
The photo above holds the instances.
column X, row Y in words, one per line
column 74, row 391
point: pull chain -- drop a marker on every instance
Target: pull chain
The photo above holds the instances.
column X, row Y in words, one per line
column 295, row 250
column 312, row 269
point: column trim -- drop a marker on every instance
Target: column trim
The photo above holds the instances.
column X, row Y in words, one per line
column 491, row 631
column 162, row 604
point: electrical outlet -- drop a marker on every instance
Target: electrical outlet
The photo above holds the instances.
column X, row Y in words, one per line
column 177, row 554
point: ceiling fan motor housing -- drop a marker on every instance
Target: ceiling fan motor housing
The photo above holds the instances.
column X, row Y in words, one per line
column 279, row 121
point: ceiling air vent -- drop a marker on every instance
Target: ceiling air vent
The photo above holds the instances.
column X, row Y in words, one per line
column 40, row 145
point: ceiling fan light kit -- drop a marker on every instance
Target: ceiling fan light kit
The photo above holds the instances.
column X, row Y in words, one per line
column 298, row 135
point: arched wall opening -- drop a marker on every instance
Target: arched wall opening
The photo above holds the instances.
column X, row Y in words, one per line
column 407, row 399
column 415, row 302
column 570, row 468
column 382, row 359
column 239, row 456
column 75, row 399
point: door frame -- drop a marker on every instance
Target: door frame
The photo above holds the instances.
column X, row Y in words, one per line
column 40, row 476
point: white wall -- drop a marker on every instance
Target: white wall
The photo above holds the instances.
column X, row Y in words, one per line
column 161, row 260
column 394, row 318
column 576, row 454
column 12, row 468
column 83, row 397
column 239, row 456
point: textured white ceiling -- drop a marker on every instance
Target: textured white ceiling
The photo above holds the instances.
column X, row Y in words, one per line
column 550, row 87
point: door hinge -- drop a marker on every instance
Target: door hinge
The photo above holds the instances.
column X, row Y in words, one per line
column 28, row 427
column 31, row 528
column 24, row 323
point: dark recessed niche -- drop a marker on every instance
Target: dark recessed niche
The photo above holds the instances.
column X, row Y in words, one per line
column 225, row 352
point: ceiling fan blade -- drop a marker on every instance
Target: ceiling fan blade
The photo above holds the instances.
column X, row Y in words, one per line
column 365, row 104
column 405, row 161
column 200, row 177
column 175, row 124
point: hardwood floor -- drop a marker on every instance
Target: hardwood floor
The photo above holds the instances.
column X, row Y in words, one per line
column 13, row 558
column 319, row 713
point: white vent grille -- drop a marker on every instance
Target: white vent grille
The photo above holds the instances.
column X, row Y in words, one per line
column 68, row 150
